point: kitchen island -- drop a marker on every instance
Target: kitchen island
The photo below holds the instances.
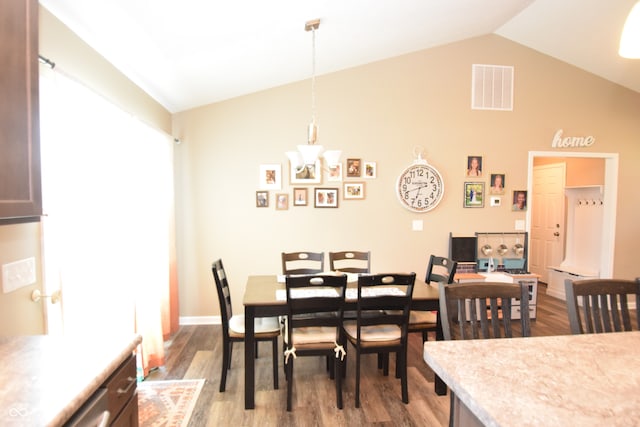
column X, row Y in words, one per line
column 568, row 380
column 46, row 380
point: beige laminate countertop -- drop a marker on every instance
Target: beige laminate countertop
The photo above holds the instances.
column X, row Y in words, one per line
column 567, row 380
column 45, row 379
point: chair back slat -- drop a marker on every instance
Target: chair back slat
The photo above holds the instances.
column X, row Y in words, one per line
column 358, row 262
column 440, row 269
column 601, row 305
column 484, row 309
column 302, row 262
column 224, row 294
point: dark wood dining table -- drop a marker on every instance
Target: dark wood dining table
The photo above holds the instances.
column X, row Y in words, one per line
column 260, row 301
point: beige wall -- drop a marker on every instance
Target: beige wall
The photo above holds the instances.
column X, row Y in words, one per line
column 380, row 112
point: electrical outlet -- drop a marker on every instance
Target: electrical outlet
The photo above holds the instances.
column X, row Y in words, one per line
column 18, row 274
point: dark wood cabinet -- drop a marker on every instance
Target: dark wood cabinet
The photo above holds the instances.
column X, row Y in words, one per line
column 20, row 182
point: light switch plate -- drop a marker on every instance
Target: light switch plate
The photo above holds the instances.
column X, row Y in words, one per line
column 17, row 274
column 519, row 225
column 417, row 225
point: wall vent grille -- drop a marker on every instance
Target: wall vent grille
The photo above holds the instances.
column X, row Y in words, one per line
column 492, row 87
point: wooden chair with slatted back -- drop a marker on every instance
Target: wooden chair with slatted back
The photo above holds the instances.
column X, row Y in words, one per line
column 266, row 328
column 315, row 306
column 483, row 312
column 302, row 262
column 384, row 302
column 357, row 262
column 602, row 305
column 439, row 270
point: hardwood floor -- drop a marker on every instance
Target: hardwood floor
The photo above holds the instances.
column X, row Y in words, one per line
column 194, row 352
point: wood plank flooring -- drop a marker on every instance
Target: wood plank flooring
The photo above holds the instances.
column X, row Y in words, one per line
column 195, row 352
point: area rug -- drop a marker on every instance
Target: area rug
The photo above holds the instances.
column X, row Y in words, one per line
column 167, row 403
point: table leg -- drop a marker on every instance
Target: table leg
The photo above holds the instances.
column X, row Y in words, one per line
column 249, row 354
column 440, row 386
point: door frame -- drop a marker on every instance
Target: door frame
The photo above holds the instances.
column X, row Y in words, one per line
column 610, row 199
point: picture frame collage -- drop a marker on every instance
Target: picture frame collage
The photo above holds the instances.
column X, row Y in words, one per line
column 352, row 178
column 474, row 192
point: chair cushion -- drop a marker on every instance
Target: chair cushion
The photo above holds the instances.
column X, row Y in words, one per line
column 423, row 317
column 314, row 334
column 373, row 333
column 261, row 324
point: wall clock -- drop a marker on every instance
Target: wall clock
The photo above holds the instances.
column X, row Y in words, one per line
column 420, row 186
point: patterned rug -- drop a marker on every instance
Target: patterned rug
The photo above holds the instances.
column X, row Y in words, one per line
column 167, row 403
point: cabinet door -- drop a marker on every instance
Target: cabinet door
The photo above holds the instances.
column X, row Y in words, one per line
column 20, row 186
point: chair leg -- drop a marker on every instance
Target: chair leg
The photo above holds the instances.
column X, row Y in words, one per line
column 385, row 363
column 256, row 348
column 398, row 365
column 338, row 367
column 405, row 386
column 289, row 368
column 274, row 353
column 226, row 361
column 357, row 379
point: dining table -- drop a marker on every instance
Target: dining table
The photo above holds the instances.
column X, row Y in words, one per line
column 564, row 380
column 263, row 298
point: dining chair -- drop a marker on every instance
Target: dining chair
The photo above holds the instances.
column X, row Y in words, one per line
column 383, row 305
column 484, row 309
column 601, row 305
column 266, row 328
column 439, row 270
column 350, row 262
column 302, row 262
column 315, row 306
column 483, row 312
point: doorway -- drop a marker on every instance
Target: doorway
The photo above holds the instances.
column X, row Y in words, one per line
column 610, row 190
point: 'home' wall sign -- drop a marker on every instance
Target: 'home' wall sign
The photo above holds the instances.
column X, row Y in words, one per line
column 571, row 141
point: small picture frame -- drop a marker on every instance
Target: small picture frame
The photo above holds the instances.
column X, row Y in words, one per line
column 370, row 170
column 325, row 197
column 353, row 190
column 270, row 177
column 335, row 172
column 300, row 196
column 495, row 201
column 354, row 168
column 474, row 194
column 497, row 183
column 519, row 201
column 308, row 174
column 262, row 199
column 282, row 201
column 474, row 167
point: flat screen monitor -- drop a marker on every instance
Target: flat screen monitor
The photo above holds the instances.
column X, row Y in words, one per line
column 463, row 249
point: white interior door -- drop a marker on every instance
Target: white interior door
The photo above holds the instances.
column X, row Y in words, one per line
column 546, row 240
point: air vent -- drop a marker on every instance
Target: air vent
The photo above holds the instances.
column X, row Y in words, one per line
column 492, row 87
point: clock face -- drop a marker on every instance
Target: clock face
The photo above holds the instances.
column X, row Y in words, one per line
column 420, row 187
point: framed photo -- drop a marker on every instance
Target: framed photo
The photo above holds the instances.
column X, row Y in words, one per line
column 353, row 190
column 262, row 199
column 370, row 170
column 474, row 194
column 497, row 183
column 519, row 200
column 271, row 177
column 495, row 201
column 309, row 174
column 300, row 196
column 325, row 197
column 282, row 201
column 354, row 168
column 335, row 173
column 474, row 166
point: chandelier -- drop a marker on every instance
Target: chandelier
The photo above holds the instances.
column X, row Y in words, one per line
column 308, row 154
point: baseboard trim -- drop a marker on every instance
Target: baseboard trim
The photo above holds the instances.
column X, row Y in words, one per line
column 199, row 320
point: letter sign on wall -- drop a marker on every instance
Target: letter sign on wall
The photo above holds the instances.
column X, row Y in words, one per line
column 571, row 141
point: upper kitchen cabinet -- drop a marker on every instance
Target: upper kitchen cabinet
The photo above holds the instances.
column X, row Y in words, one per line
column 20, row 182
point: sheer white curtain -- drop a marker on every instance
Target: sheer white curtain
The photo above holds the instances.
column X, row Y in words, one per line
column 108, row 198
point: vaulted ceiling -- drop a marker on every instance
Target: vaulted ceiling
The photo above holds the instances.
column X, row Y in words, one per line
column 190, row 53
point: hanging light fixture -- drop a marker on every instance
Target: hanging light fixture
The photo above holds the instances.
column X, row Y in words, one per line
column 308, row 155
column 630, row 39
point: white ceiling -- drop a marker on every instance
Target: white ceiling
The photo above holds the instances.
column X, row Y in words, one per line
column 188, row 53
